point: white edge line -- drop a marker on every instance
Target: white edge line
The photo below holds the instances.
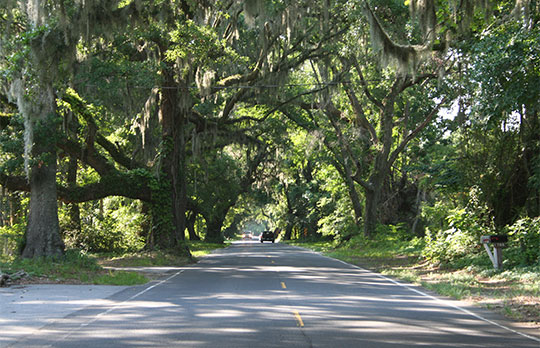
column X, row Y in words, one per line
column 118, row 305
column 445, row 302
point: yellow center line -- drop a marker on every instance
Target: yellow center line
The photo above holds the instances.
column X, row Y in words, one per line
column 283, row 286
column 298, row 318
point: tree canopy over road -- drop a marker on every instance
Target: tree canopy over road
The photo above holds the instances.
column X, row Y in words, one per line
column 139, row 124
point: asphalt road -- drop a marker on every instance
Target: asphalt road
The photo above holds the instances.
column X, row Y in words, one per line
column 274, row 295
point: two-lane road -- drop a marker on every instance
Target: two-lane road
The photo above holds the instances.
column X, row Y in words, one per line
column 274, row 295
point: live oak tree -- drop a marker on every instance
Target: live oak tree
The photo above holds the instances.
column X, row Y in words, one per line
column 499, row 114
column 374, row 115
column 220, row 178
column 257, row 44
column 415, row 46
column 133, row 98
column 206, row 53
column 39, row 41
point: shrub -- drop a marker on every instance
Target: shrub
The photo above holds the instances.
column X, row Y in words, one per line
column 460, row 232
column 388, row 241
column 459, row 240
column 525, row 235
column 11, row 239
column 117, row 230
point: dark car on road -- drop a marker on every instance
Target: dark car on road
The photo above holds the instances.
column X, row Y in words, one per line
column 268, row 236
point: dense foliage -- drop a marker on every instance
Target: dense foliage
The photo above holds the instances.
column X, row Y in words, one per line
column 150, row 123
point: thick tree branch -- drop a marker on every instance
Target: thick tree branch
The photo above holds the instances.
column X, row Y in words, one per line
column 304, row 54
column 14, row 183
column 290, row 100
column 91, row 158
column 117, row 155
column 81, row 108
column 370, row 96
column 126, row 185
column 309, row 126
column 413, row 133
column 360, row 114
column 236, row 79
column 333, row 113
column 227, row 135
column 232, row 102
column 250, row 177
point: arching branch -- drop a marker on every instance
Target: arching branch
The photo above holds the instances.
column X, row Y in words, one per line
column 414, row 133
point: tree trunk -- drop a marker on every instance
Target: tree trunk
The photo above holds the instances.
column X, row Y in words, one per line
column 290, row 214
column 383, row 162
column 42, row 237
column 13, row 209
column 288, row 232
column 176, row 173
column 146, row 225
column 355, row 199
column 373, row 193
column 190, row 222
column 420, row 197
column 3, row 207
column 74, row 213
column 213, row 228
column 42, row 230
column 370, row 213
column 171, row 233
column 179, row 184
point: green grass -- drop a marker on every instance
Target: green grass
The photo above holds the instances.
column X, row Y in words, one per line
column 157, row 258
column 142, row 259
column 80, row 268
column 120, row 278
column 200, row 249
column 75, row 267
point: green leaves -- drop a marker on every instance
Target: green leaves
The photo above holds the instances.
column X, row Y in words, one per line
column 525, row 233
column 506, row 70
column 200, row 46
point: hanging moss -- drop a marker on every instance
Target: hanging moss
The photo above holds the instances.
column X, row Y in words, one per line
column 253, row 9
column 424, row 12
column 205, row 79
column 522, row 11
column 404, row 58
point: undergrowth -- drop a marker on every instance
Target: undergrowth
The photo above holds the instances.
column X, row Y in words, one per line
column 80, row 267
column 73, row 267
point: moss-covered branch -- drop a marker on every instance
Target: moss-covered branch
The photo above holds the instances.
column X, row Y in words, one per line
column 14, row 183
column 134, row 184
column 87, row 156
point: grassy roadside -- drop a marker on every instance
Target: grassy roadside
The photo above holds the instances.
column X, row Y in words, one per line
column 515, row 293
column 74, row 268
column 81, row 268
column 156, row 258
